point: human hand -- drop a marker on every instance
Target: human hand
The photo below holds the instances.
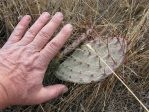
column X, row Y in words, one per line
column 24, row 60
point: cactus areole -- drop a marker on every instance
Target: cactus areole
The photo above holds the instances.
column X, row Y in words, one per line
column 85, row 64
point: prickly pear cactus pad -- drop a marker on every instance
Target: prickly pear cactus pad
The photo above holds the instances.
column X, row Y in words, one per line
column 85, row 65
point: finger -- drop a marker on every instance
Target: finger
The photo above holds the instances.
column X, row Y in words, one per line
column 35, row 28
column 48, row 93
column 20, row 30
column 46, row 32
column 52, row 48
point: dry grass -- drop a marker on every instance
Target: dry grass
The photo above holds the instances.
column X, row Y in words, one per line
column 128, row 18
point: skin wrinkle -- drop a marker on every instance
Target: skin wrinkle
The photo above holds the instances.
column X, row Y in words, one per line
column 44, row 35
column 4, row 89
column 33, row 31
column 4, row 65
column 54, row 47
column 22, row 92
column 23, row 77
column 22, row 66
column 16, row 67
column 23, row 63
column 17, row 81
column 17, row 34
column 21, row 51
column 30, row 62
column 7, row 61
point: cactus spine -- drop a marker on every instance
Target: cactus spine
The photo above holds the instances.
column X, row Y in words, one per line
column 85, row 66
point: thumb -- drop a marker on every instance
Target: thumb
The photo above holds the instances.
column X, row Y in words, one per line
column 49, row 93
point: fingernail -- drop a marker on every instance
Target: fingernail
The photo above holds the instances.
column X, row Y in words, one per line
column 59, row 14
column 69, row 26
column 27, row 17
column 65, row 90
column 46, row 14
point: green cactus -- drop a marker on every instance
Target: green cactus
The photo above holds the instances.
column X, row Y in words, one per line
column 85, row 65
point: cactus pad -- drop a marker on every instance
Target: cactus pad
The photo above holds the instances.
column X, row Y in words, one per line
column 85, row 65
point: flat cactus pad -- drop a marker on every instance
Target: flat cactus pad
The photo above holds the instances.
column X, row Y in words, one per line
column 85, row 65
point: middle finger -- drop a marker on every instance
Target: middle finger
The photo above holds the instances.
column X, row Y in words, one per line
column 47, row 31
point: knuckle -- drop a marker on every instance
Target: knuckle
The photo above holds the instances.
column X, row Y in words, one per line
column 42, row 20
column 44, row 34
column 17, row 35
column 53, row 47
column 18, row 31
column 31, row 33
column 20, row 27
column 31, row 47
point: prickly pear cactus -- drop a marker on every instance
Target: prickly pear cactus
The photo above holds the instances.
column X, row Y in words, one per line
column 87, row 63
